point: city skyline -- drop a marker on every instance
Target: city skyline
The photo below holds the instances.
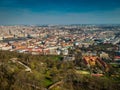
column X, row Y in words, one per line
column 59, row 12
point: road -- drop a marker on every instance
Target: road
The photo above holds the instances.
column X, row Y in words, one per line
column 15, row 60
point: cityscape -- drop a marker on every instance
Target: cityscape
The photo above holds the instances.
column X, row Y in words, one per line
column 59, row 45
column 92, row 49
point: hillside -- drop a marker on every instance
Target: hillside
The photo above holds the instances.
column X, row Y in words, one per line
column 38, row 72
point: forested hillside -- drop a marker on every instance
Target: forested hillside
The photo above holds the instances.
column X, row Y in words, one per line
column 38, row 72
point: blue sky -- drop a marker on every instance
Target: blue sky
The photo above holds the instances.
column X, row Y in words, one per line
column 59, row 11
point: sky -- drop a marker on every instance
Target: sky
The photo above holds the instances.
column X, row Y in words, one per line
column 34, row 12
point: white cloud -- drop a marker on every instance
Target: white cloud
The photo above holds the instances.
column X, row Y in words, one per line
column 24, row 16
